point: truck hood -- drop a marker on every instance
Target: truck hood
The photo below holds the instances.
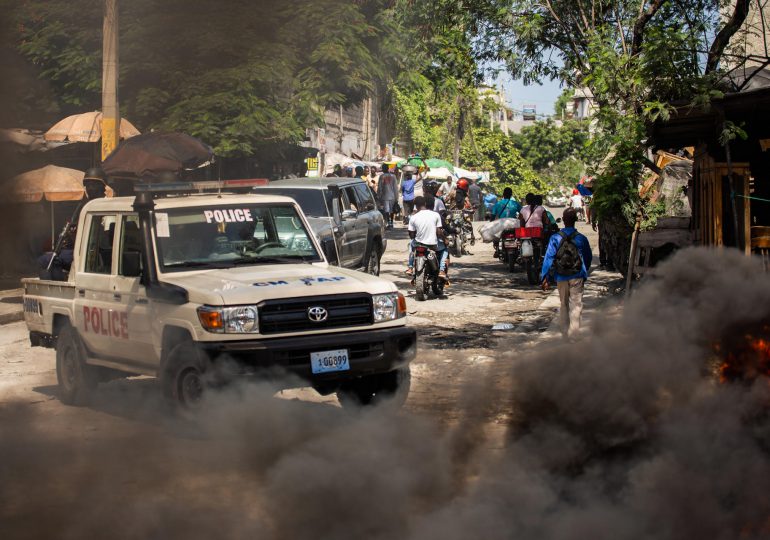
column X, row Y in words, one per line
column 253, row 284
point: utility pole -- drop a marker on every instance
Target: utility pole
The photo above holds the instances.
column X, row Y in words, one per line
column 502, row 109
column 110, row 111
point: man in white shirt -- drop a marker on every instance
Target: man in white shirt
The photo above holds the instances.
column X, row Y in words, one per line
column 576, row 202
column 446, row 188
column 425, row 228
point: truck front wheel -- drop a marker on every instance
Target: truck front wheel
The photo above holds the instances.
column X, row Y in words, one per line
column 391, row 388
column 185, row 377
column 77, row 380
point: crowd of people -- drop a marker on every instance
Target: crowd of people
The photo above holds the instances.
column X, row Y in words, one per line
column 424, row 204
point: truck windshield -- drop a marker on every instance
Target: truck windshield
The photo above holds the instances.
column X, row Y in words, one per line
column 310, row 200
column 228, row 235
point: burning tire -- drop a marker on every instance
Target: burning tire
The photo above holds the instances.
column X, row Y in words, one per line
column 77, row 380
column 391, row 388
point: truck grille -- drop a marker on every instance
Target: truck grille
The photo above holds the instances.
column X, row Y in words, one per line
column 291, row 315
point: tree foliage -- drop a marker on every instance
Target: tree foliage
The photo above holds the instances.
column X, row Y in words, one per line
column 238, row 75
column 494, row 151
column 545, row 143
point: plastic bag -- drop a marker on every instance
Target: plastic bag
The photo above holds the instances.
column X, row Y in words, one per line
column 491, row 231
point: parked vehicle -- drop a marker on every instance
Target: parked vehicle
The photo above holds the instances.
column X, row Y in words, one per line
column 426, row 268
column 343, row 215
column 556, row 199
column 532, row 251
column 171, row 286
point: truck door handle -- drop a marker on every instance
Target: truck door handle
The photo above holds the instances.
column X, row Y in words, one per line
column 141, row 301
column 116, row 296
column 81, row 292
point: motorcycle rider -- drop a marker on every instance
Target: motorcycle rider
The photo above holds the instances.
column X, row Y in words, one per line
column 533, row 214
column 507, row 207
column 425, row 227
column 461, row 201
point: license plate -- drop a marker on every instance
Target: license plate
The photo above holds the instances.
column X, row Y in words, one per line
column 328, row 361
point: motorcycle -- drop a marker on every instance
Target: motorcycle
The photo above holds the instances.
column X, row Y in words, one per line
column 426, row 268
column 510, row 249
column 532, row 250
column 468, row 226
column 457, row 236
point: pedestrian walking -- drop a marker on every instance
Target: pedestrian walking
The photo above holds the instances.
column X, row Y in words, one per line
column 567, row 261
column 387, row 194
column 475, row 195
column 407, row 194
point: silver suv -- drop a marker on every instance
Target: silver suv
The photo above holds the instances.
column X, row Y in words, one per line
column 344, row 216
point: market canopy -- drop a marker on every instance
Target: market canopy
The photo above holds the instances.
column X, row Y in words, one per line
column 85, row 127
column 147, row 156
column 51, row 183
column 470, row 175
column 431, row 163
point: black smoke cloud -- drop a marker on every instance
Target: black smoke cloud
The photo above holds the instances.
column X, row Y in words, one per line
column 627, row 434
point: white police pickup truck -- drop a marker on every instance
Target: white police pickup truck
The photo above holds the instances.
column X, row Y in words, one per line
column 196, row 289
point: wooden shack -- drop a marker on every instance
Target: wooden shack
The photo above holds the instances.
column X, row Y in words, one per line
column 730, row 190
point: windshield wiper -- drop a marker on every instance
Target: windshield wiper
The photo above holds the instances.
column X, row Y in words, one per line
column 198, row 264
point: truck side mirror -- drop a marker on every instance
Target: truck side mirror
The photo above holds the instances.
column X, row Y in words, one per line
column 131, row 264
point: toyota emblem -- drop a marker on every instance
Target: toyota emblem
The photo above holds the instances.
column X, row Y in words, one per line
column 317, row 314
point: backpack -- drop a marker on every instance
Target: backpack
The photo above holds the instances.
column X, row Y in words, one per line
column 568, row 261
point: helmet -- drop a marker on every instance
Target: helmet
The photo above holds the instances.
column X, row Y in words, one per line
column 462, row 184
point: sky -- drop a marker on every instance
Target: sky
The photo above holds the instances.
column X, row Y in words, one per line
column 542, row 96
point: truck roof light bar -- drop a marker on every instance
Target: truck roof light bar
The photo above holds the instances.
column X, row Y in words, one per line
column 200, row 186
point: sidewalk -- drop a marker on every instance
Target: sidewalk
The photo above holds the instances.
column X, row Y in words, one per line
column 11, row 309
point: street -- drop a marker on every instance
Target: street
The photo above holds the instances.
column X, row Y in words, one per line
column 456, row 345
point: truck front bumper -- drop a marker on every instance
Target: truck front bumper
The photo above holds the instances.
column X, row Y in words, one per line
column 370, row 352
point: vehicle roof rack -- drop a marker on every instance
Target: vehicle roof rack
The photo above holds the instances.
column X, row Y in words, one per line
column 241, row 185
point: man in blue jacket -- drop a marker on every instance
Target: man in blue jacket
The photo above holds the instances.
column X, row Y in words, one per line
column 568, row 259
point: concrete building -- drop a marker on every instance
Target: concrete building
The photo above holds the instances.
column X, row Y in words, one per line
column 583, row 104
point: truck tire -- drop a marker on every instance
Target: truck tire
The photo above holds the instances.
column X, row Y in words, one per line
column 373, row 264
column 77, row 380
column 185, row 377
column 390, row 389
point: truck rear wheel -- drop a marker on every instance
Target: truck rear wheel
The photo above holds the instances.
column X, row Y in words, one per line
column 391, row 388
column 77, row 380
column 185, row 378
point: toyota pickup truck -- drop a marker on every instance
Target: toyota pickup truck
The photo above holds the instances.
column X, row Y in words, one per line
column 197, row 289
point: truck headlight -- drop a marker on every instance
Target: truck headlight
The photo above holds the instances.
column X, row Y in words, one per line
column 387, row 307
column 229, row 320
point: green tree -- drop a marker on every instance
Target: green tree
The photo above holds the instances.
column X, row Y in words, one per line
column 493, row 151
column 239, row 76
column 563, row 102
column 544, row 144
column 636, row 57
